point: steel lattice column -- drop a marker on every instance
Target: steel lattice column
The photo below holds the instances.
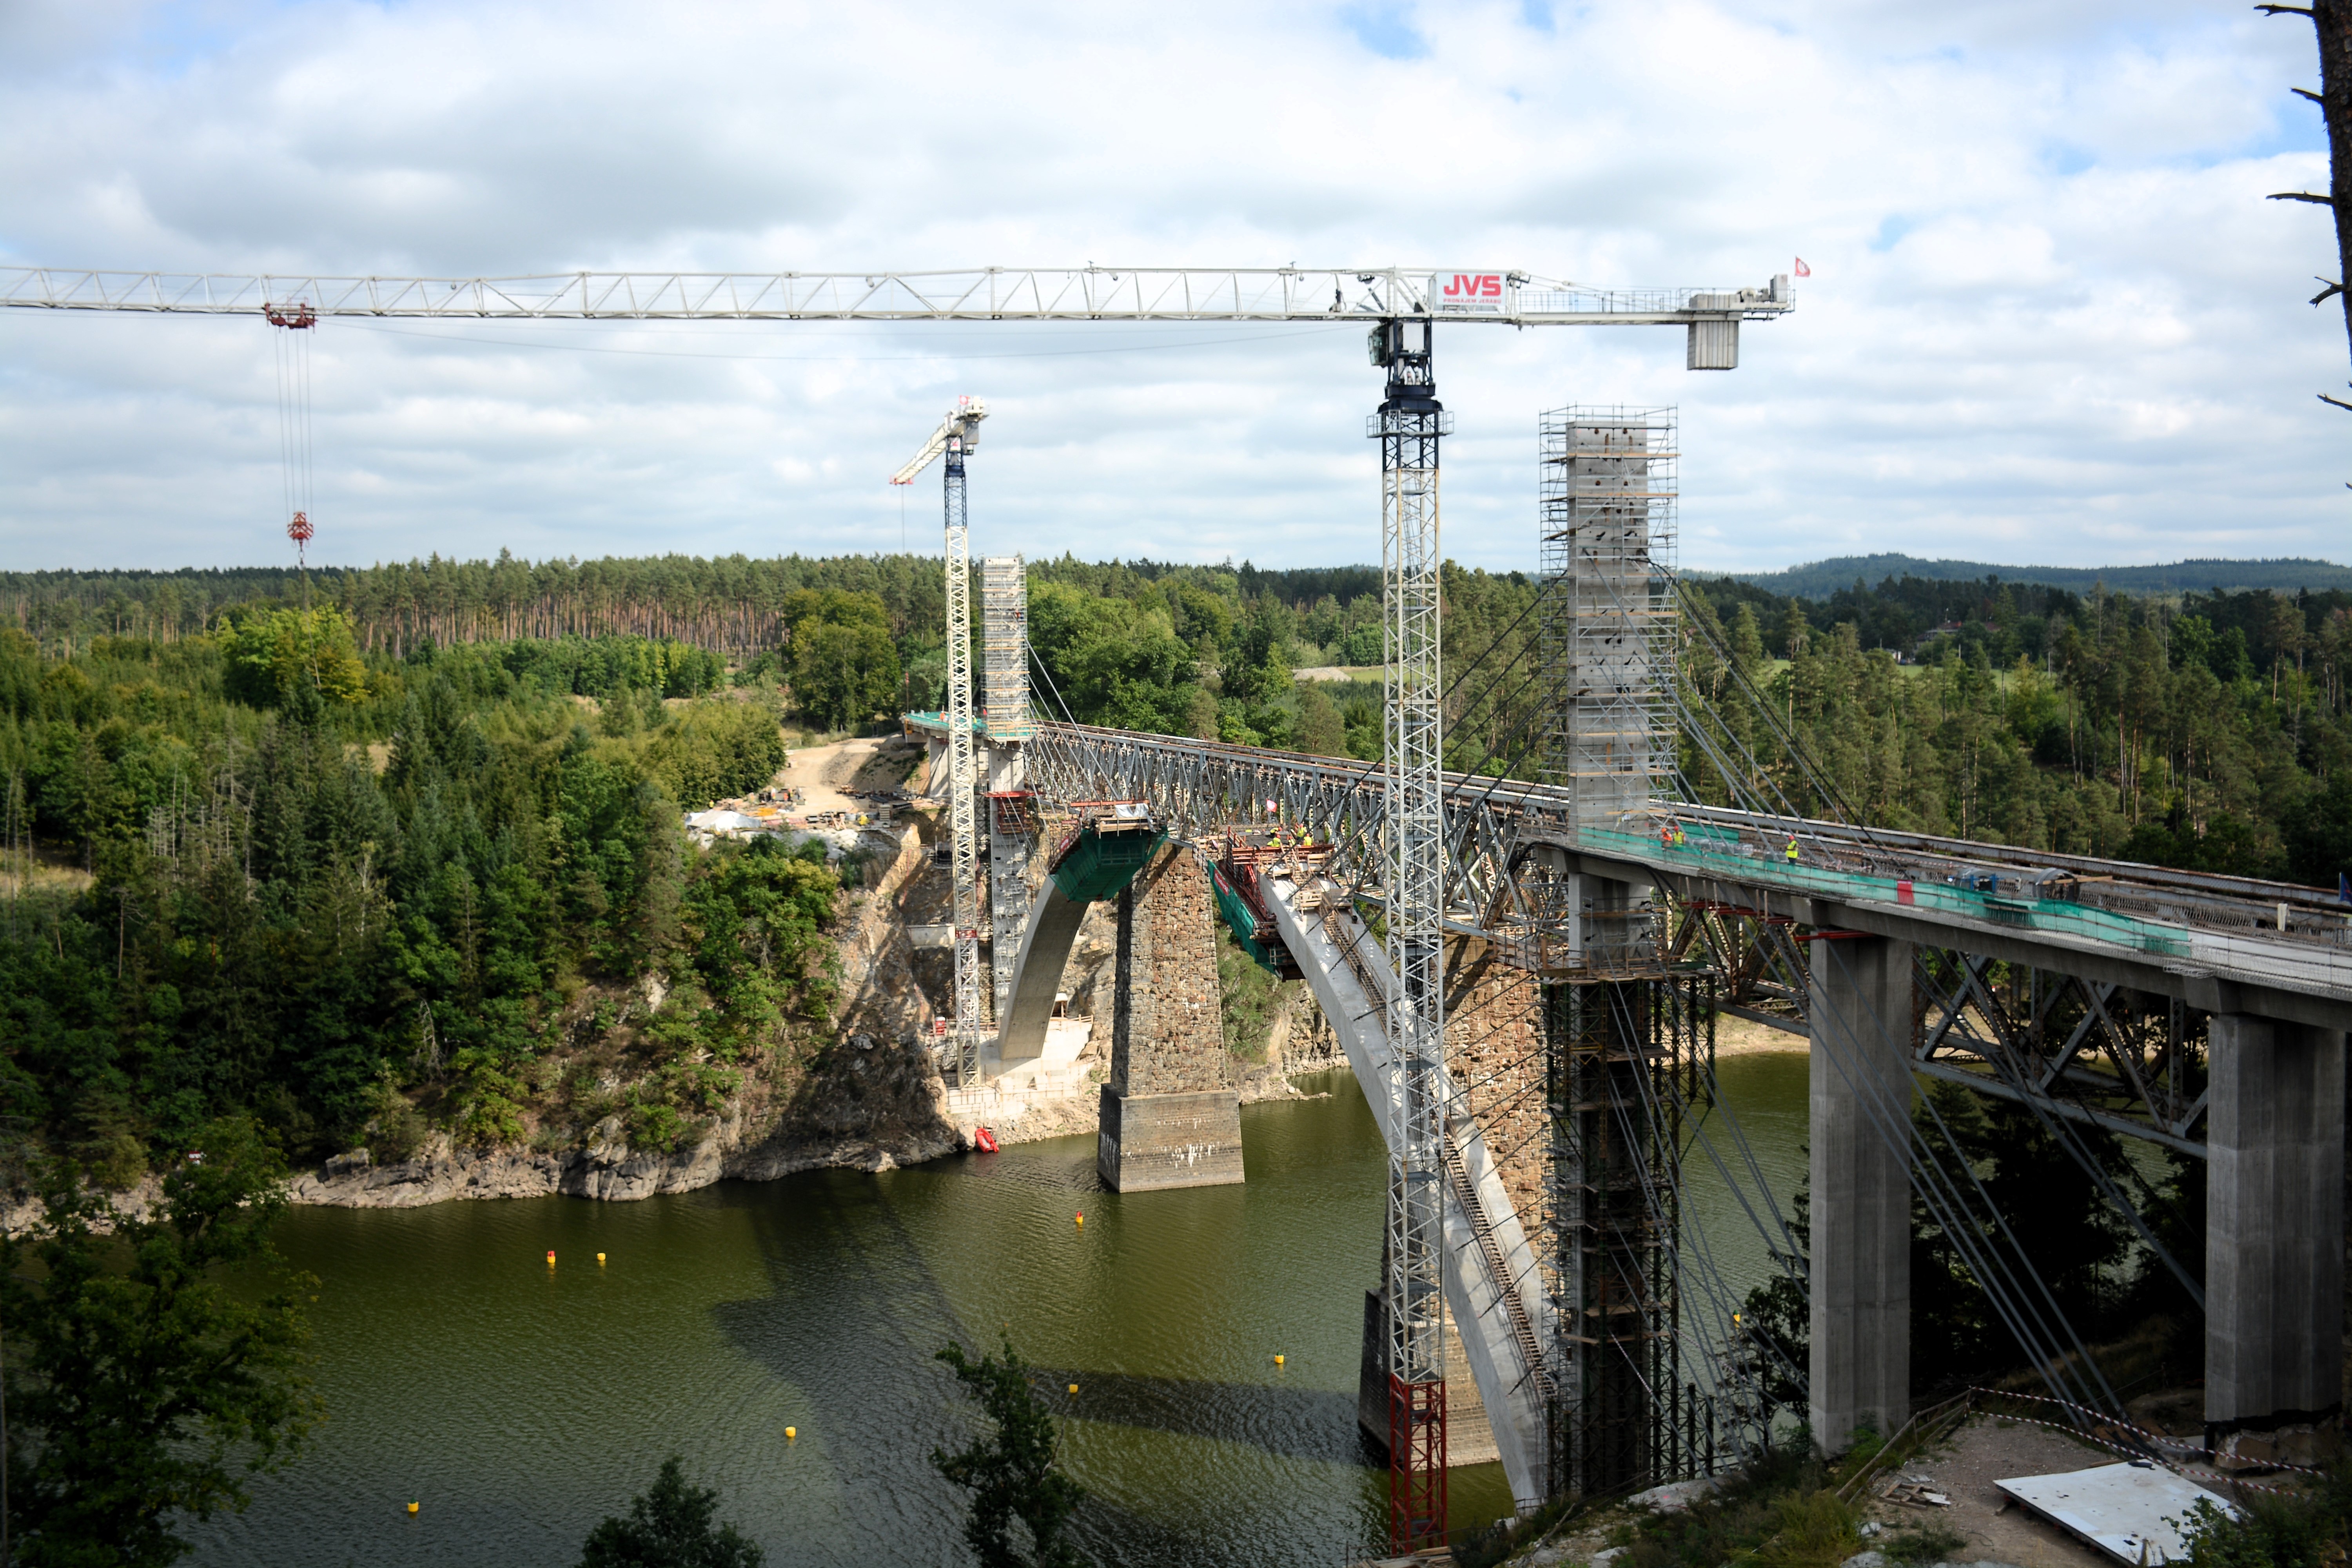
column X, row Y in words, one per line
column 963, row 774
column 1408, row 427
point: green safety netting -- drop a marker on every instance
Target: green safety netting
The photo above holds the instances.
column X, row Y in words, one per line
column 1101, row 864
column 1709, row 848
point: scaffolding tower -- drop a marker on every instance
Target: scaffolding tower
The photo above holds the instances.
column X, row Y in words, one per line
column 1607, row 498
column 1011, row 804
column 1628, row 1033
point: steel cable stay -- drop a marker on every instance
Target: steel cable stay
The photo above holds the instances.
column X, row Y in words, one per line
column 1710, row 1276
column 2059, row 1130
column 2037, row 1336
column 2032, row 1095
column 1823, row 787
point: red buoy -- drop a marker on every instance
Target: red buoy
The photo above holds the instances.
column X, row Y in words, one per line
column 983, row 1139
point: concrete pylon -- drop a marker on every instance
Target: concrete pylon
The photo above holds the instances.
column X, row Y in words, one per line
column 2273, row 1224
column 1171, row 1114
column 1860, row 1170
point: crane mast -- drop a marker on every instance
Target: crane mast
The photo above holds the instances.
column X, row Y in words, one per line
column 958, row 433
column 1407, row 427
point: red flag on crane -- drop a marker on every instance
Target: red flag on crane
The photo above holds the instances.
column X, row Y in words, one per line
column 1803, row 270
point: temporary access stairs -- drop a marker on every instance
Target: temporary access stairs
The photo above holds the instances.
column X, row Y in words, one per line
column 1491, row 1282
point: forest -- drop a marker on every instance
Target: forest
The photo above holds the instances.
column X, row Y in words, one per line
column 350, row 867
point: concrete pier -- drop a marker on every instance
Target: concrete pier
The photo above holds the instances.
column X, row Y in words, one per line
column 2274, row 1224
column 1171, row 1114
column 1861, row 1078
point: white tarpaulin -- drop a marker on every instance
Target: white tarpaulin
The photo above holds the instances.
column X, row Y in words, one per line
column 2134, row 1512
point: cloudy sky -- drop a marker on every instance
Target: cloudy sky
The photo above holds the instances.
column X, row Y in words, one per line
column 2051, row 319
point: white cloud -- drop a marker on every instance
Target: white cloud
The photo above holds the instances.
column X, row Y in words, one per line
column 2053, row 317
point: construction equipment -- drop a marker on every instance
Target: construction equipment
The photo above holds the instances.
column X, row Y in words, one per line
column 958, row 433
column 1401, row 304
column 1408, row 425
column 292, row 342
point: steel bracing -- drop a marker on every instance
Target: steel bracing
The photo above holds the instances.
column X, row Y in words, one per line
column 1408, row 427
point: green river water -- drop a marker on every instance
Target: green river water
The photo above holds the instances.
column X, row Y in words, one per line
column 519, row 1404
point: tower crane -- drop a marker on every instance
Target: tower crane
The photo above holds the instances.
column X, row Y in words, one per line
column 954, row 439
column 1402, row 306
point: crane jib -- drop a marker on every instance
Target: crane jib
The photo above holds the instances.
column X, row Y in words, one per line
column 1499, row 295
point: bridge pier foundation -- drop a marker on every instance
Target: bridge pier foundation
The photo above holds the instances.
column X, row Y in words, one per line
column 1171, row 1115
column 1860, row 1124
column 2274, row 1225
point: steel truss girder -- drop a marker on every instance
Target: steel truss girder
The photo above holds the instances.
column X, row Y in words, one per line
column 2026, row 1047
column 2154, row 1086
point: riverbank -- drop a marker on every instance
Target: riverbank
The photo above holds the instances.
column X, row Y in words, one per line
column 1745, row 1036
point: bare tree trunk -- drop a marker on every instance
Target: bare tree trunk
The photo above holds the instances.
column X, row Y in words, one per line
column 2332, row 21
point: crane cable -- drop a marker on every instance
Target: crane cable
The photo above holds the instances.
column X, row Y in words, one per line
column 293, row 348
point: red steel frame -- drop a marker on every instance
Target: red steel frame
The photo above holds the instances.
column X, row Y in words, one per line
column 1416, row 1464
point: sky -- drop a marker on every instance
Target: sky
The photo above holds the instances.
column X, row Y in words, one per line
column 2051, row 318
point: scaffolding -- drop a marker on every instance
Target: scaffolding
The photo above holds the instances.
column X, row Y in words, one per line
column 1626, row 1063
column 1012, row 808
column 1607, row 501
column 1627, row 1032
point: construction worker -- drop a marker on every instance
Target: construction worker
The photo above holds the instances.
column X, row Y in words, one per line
column 1791, row 850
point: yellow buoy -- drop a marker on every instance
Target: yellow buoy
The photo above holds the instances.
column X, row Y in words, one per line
column 1082, row 1219
column 791, row 1433
column 412, row 1508
column 600, row 1259
column 1074, row 1388
column 1278, row 1361
column 550, row 1257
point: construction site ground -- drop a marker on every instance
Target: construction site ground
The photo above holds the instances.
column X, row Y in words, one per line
column 861, row 762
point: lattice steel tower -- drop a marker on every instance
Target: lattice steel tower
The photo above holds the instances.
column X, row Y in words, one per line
column 1407, row 427
column 958, row 433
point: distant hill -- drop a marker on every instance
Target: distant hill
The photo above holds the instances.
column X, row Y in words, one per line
column 1820, row 579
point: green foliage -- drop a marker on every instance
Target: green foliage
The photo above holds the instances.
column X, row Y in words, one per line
column 139, row 1387
column 1929, row 1542
column 670, row 1526
column 270, row 653
column 1248, row 996
column 844, row 665
column 1011, row 1471
column 294, row 907
column 2300, row 1531
column 1817, row 1530
column 715, row 749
